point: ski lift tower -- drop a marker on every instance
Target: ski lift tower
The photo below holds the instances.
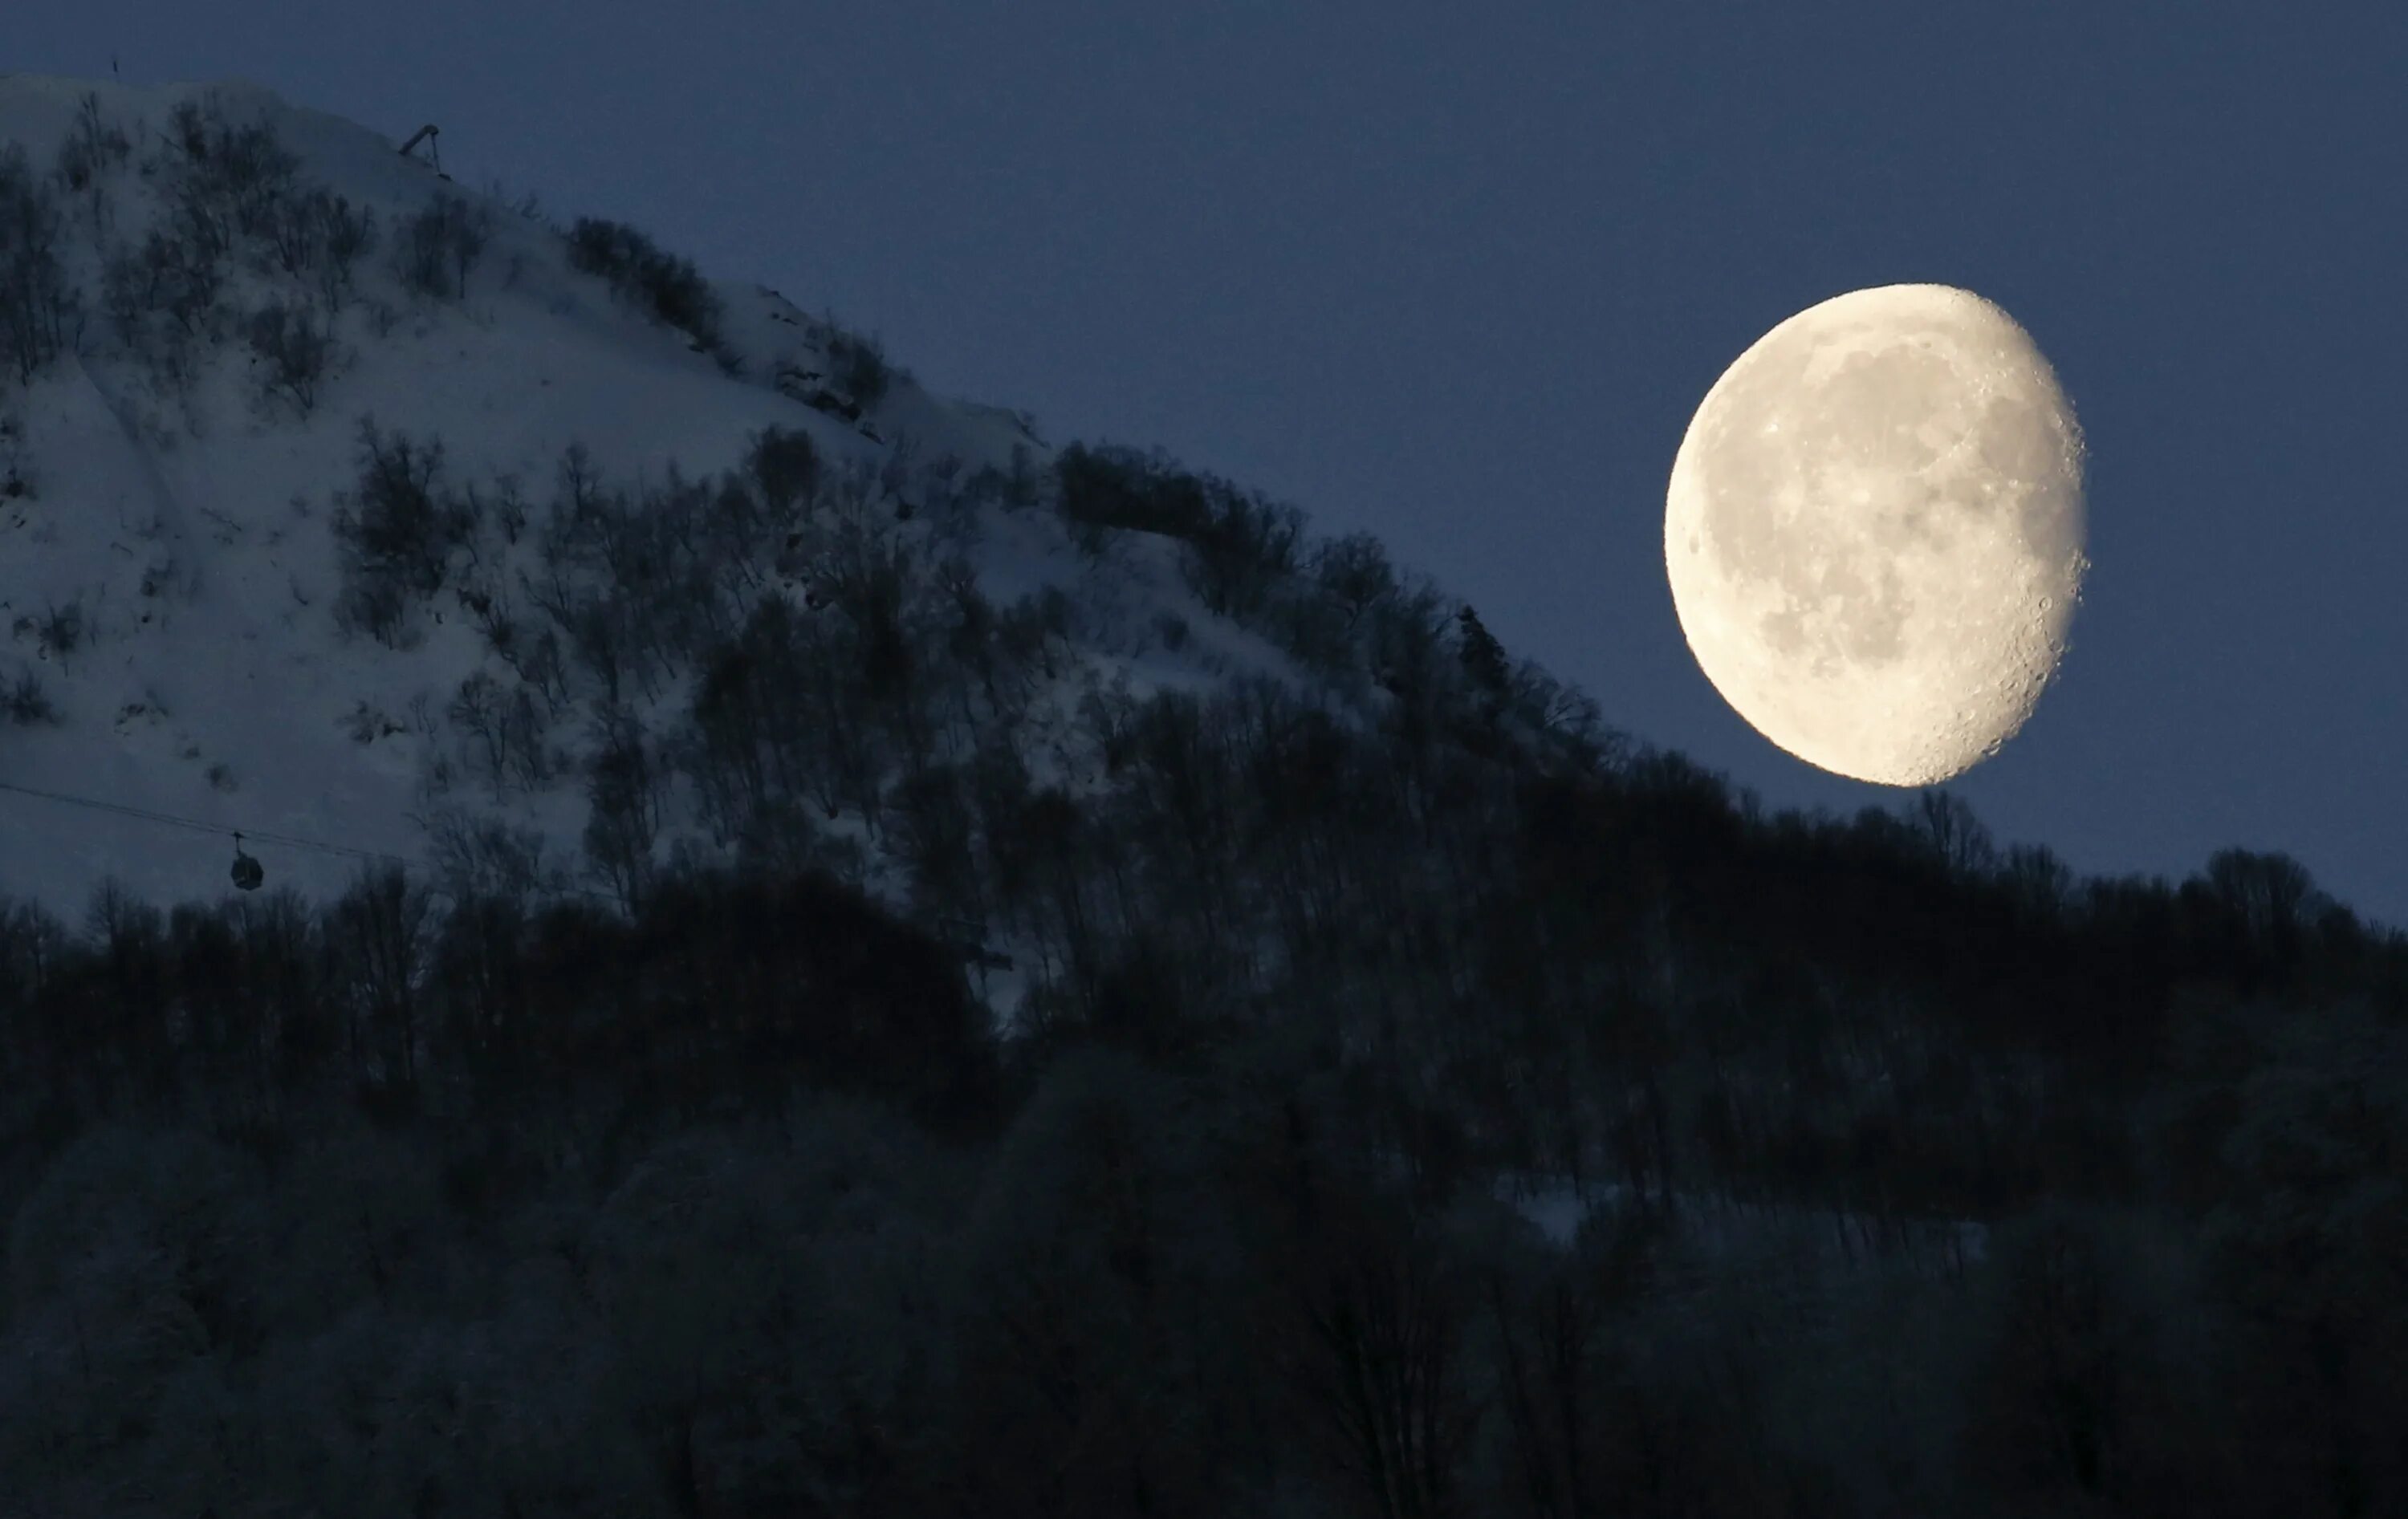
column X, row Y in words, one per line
column 426, row 135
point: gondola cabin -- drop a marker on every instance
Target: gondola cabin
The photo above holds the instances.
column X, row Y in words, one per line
column 247, row 872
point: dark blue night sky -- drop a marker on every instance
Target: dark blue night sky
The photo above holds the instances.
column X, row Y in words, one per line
column 1462, row 283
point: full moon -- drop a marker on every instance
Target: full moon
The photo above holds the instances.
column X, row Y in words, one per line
column 1874, row 532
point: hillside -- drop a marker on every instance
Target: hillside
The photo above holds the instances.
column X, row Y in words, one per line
column 821, row 955
column 176, row 583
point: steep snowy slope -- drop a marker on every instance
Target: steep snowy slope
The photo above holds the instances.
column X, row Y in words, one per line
column 172, row 573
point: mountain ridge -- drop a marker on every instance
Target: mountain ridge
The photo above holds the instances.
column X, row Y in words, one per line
column 220, row 490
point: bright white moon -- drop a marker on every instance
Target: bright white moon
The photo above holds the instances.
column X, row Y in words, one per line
column 1875, row 532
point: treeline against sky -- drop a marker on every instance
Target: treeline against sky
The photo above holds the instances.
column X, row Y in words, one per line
column 735, row 1204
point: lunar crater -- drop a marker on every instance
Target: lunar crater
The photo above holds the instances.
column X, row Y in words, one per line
column 1882, row 511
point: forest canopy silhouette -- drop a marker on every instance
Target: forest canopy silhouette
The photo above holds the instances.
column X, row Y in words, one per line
column 817, row 1236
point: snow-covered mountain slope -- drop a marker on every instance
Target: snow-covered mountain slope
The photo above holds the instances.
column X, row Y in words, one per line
column 171, row 570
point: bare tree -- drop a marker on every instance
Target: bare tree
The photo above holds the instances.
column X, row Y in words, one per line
column 1946, row 825
column 1381, row 1367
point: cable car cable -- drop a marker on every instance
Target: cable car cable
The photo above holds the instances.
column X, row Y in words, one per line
column 289, row 841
